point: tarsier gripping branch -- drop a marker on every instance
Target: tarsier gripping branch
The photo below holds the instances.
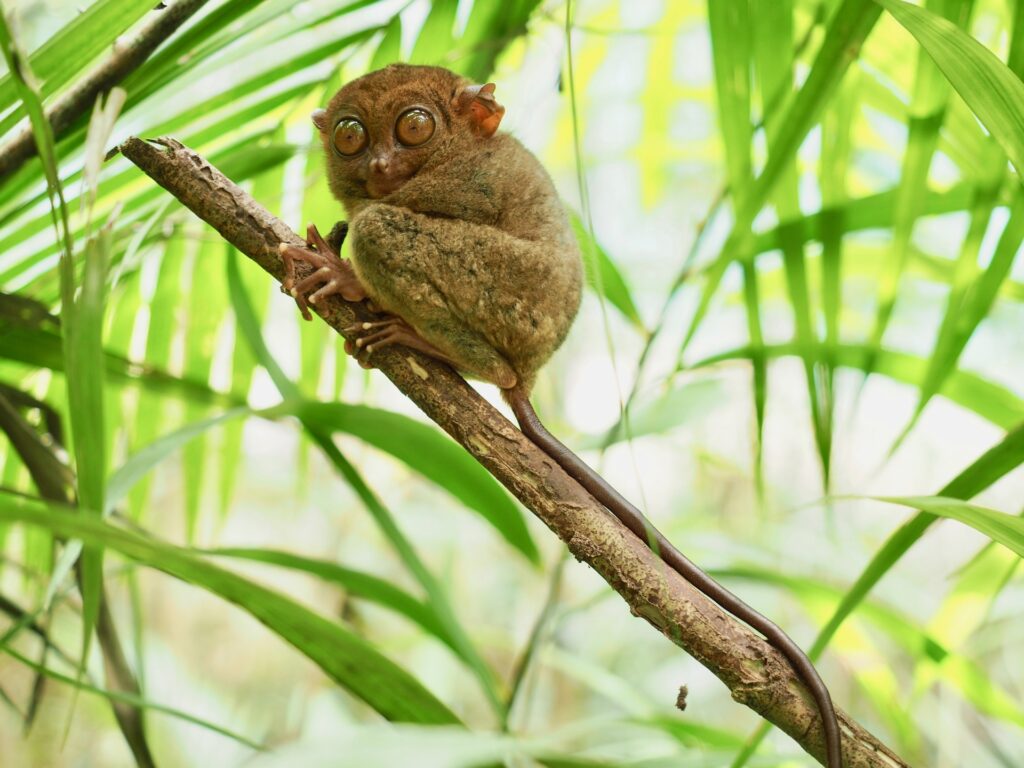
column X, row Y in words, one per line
column 462, row 245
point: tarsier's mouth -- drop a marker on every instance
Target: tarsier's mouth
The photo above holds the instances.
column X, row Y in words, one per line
column 377, row 188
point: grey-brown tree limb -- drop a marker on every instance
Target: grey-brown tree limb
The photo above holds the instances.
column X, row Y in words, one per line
column 79, row 99
column 755, row 673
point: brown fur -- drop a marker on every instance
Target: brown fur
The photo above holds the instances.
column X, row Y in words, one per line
column 464, row 237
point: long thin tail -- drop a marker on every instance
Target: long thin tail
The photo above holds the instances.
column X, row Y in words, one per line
column 634, row 519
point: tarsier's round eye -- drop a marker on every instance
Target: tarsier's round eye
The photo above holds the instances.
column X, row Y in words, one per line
column 414, row 127
column 349, row 137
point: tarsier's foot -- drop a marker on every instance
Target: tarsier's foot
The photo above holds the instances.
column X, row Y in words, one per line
column 331, row 274
column 384, row 332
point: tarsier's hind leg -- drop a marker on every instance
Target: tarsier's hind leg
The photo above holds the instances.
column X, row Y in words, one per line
column 480, row 361
column 398, row 273
column 389, row 329
column 470, row 350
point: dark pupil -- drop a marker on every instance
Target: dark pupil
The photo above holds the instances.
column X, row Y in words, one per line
column 415, row 123
column 349, row 136
column 416, row 127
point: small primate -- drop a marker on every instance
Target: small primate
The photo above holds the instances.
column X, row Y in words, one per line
column 459, row 238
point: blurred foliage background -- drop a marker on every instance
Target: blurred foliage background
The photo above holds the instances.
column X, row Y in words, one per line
column 802, row 222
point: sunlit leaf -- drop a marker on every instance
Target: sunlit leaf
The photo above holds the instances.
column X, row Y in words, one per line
column 121, row 697
column 991, row 466
column 436, row 595
column 389, row 50
column 141, row 463
column 969, row 678
column 732, row 49
column 345, row 658
column 927, row 110
column 489, row 29
column 970, row 301
column 858, row 214
column 773, row 43
column 74, row 46
column 356, row 583
column 846, row 30
column 436, row 36
column 1005, row 529
column 432, row 454
column 988, row 86
column 679, row 405
column 986, row 398
column 610, row 279
column 82, row 337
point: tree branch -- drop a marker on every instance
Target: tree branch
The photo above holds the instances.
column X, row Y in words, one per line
column 754, row 672
column 70, row 106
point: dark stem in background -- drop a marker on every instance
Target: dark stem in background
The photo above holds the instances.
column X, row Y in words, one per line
column 56, row 483
column 74, row 103
column 28, row 621
column 755, row 673
column 525, row 661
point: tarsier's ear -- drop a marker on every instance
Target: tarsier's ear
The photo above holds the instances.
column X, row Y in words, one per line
column 478, row 102
column 320, row 119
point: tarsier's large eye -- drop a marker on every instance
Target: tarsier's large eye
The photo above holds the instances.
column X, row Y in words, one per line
column 349, row 137
column 414, row 127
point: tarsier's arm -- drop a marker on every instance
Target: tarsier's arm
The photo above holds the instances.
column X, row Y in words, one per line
column 470, row 200
column 457, row 285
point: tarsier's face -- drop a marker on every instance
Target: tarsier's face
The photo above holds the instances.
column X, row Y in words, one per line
column 382, row 128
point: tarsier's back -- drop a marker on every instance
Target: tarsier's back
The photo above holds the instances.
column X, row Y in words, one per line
column 455, row 228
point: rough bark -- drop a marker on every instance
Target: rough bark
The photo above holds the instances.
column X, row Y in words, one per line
column 755, row 673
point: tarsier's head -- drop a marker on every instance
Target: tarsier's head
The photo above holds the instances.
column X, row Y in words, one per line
column 381, row 129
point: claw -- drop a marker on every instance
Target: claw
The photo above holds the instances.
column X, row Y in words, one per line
column 331, row 287
column 313, row 238
column 359, row 327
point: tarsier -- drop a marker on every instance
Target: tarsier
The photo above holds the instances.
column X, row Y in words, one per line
column 459, row 239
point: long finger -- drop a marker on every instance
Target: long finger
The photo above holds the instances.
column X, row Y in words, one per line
column 358, row 354
column 377, row 340
column 300, row 299
column 369, row 326
column 327, row 290
column 313, row 239
column 304, row 255
column 309, row 282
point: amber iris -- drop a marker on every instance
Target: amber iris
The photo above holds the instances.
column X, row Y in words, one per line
column 414, row 127
column 349, row 137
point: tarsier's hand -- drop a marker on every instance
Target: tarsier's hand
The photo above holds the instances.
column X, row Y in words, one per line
column 331, row 274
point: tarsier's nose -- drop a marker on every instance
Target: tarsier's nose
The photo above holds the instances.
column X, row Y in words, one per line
column 379, row 164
